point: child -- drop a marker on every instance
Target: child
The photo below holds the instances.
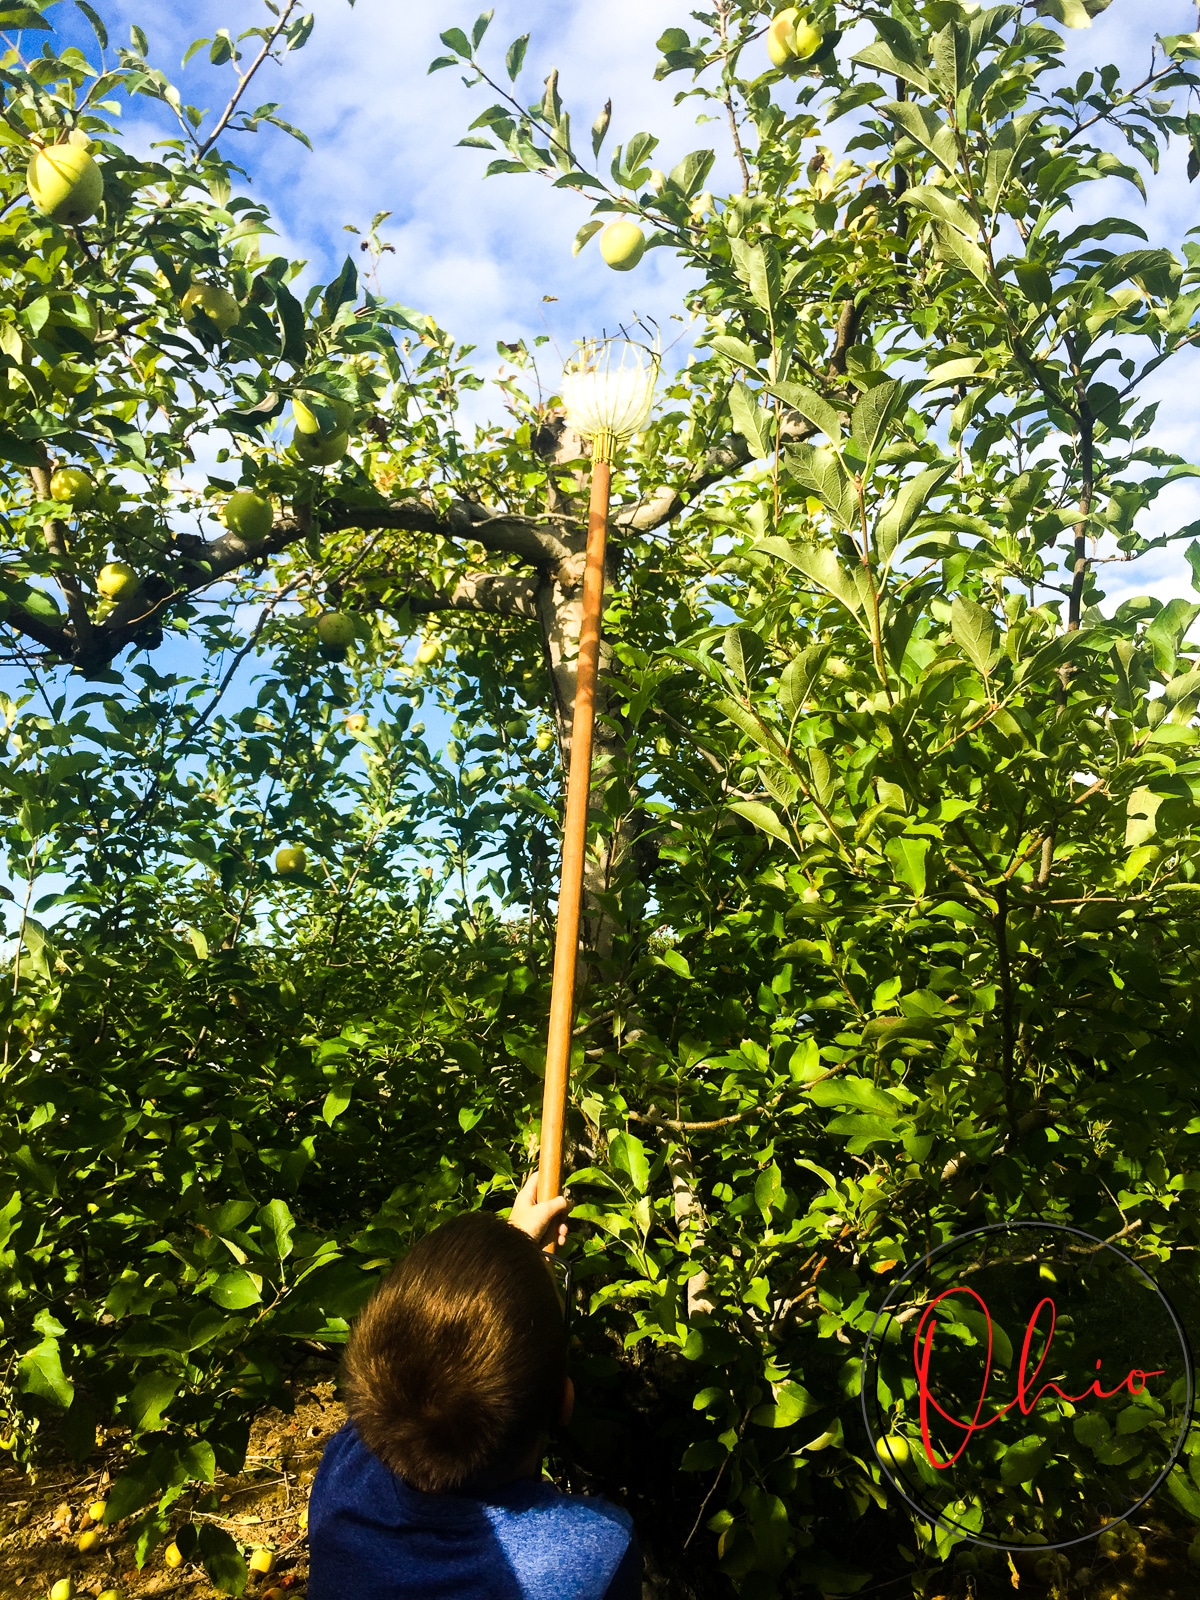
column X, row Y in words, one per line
column 454, row 1376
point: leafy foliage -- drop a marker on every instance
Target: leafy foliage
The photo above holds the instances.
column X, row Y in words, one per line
column 892, row 907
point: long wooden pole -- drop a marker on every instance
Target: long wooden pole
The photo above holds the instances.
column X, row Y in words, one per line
column 570, row 893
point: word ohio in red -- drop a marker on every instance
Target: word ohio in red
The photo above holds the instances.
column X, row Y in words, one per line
column 1028, row 1394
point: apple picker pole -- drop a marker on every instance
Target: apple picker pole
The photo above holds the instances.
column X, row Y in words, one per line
column 608, row 390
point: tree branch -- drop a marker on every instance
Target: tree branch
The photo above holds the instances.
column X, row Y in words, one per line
column 720, row 462
column 530, row 541
column 244, row 82
column 500, row 594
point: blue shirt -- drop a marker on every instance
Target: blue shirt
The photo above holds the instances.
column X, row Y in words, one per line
column 372, row 1537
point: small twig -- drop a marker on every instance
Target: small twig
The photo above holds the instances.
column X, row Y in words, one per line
column 713, row 1487
column 223, row 121
column 655, row 1121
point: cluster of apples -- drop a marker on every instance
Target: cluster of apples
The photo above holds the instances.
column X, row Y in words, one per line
column 66, row 185
column 261, row 1564
column 88, row 1540
column 791, row 39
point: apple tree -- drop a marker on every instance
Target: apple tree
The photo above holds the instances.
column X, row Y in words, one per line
column 893, row 857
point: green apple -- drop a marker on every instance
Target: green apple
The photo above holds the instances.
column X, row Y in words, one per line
column 894, row 1450
column 309, row 423
column 250, row 516
column 213, row 301
column 622, row 244
column 291, row 861
column 335, row 631
column 64, row 183
column 317, row 450
column 791, row 39
column 116, row 579
column 72, row 486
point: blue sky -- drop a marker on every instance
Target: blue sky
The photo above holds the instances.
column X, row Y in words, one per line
column 480, row 255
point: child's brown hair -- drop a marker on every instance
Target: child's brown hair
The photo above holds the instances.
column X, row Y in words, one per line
column 457, row 1365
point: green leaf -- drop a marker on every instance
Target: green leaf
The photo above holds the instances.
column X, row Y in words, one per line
column 1072, row 13
column 923, row 124
column 758, row 267
column 97, row 23
column 736, row 349
column 792, row 1403
column 677, row 963
column 234, row 1291
column 336, row 1102
column 343, row 289
column 895, row 59
column 895, row 1030
column 874, row 413
column 130, row 1492
column 820, row 469
column 768, row 1187
column 17, row 18
column 1022, row 1461
column 974, row 631
column 762, row 817
column 811, row 406
column 860, row 1094
column 744, row 652
column 600, row 127
column 222, row 1559
column 150, row 1398
column 822, row 566
column 455, row 39
column 797, row 680
column 292, row 327
column 278, row 1224
column 21, row 452
column 894, row 524
column 585, row 233
column 482, row 22
column 627, row 1154
column 689, row 174
column 199, row 1461
column 1167, row 630
column 40, row 1373
column 908, row 858
column 515, row 59
column 751, row 422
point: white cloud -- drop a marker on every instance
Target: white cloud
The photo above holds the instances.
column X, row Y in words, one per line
column 480, row 255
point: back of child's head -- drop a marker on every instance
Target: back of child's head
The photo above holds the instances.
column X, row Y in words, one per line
column 456, row 1367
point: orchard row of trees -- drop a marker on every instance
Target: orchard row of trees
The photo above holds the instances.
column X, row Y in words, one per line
column 892, row 884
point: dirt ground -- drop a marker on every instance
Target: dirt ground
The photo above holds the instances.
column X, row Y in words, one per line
column 263, row 1508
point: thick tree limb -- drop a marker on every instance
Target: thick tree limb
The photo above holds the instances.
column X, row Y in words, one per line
column 500, row 594
column 721, row 462
column 527, row 539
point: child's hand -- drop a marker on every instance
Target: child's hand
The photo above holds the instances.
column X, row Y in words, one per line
column 542, row 1222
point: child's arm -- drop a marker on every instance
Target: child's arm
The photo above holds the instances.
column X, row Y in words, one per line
column 539, row 1221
